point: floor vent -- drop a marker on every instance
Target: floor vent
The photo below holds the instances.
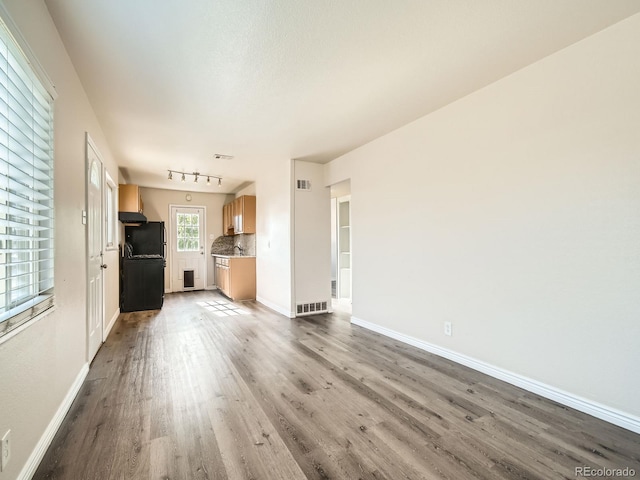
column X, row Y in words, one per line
column 311, row 308
column 303, row 184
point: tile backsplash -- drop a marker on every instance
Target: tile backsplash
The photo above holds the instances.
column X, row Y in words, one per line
column 224, row 245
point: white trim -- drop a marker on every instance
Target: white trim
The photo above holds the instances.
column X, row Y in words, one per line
column 277, row 308
column 20, row 41
column 12, row 333
column 111, row 323
column 603, row 412
column 43, row 444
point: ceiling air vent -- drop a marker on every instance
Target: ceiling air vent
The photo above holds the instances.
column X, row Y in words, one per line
column 303, row 184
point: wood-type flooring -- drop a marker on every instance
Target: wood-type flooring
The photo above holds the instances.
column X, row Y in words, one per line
column 184, row 394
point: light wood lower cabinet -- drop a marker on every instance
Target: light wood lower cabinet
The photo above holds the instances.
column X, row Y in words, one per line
column 236, row 277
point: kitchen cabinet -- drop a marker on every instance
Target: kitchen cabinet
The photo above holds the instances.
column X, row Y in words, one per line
column 129, row 199
column 227, row 219
column 244, row 214
column 239, row 216
column 236, row 277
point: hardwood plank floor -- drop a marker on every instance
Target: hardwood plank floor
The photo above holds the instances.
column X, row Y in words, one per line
column 183, row 393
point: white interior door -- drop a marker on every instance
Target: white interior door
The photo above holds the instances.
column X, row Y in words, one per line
column 95, row 266
column 187, row 248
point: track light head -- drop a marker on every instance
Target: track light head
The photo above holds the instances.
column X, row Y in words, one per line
column 182, row 180
column 170, row 175
column 219, row 182
column 208, row 181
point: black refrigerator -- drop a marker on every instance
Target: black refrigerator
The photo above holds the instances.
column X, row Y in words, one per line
column 142, row 269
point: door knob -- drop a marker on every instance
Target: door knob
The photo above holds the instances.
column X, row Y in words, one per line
column 103, row 266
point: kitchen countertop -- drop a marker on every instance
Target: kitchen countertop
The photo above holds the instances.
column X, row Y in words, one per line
column 232, row 256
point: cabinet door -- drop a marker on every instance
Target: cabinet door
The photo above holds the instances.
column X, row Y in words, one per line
column 237, row 214
column 225, row 281
column 225, row 220
column 242, row 278
column 248, row 214
column 129, row 198
column 229, row 220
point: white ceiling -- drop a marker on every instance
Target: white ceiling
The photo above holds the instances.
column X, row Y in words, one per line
column 175, row 82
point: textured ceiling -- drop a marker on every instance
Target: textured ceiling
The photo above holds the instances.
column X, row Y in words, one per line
column 174, row 82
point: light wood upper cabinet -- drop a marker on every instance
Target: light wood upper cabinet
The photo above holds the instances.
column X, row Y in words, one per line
column 239, row 216
column 227, row 219
column 129, row 199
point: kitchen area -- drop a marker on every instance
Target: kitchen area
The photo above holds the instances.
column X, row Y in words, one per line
column 234, row 252
column 148, row 240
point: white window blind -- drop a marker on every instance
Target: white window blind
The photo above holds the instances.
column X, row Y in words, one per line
column 26, row 189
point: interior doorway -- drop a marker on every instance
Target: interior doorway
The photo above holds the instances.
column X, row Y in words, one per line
column 341, row 246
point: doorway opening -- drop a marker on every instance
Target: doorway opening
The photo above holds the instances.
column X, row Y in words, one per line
column 341, row 250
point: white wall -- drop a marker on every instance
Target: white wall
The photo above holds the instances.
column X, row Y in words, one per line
column 41, row 363
column 248, row 190
column 156, row 209
column 274, row 237
column 312, row 236
column 514, row 214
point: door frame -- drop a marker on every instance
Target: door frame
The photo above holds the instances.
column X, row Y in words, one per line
column 89, row 143
column 169, row 258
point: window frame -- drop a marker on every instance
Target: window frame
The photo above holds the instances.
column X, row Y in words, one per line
column 187, row 238
column 41, row 301
column 111, row 213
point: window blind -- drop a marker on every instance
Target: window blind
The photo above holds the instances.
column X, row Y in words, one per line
column 26, row 189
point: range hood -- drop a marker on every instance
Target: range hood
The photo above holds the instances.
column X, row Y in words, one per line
column 131, row 217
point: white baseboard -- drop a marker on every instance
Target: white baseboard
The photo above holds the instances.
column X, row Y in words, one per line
column 111, row 324
column 277, row 308
column 603, row 412
column 47, row 437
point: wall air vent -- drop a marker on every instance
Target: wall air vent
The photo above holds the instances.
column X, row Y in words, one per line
column 312, row 308
column 303, row 184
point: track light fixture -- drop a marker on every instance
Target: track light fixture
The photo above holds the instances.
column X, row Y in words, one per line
column 196, row 175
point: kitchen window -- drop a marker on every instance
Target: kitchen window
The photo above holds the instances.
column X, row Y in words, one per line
column 188, row 232
column 26, row 186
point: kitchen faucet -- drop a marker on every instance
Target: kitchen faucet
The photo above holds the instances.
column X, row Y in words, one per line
column 240, row 249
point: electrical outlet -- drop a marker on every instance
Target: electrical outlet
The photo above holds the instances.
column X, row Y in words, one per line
column 6, row 450
column 448, row 329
